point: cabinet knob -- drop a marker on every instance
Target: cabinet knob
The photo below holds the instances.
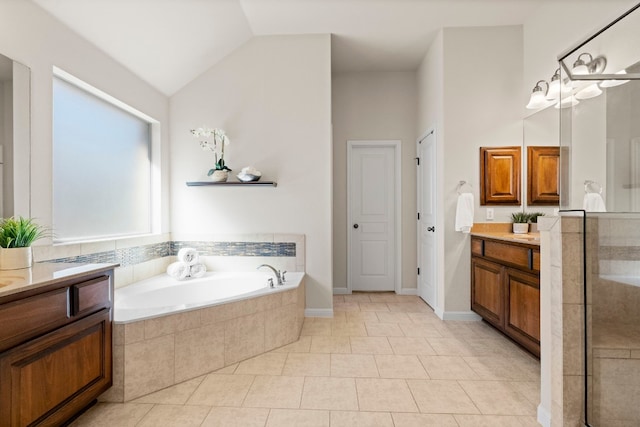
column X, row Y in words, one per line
column 431, row 229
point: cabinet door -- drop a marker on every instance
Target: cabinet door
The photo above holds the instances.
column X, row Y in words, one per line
column 500, row 175
column 543, row 176
column 523, row 309
column 47, row 380
column 487, row 291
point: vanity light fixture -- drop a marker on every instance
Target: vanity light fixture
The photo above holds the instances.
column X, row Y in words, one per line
column 538, row 96
column 589, row 92
column 557, row 87
column 593, row 66
column 614, row 83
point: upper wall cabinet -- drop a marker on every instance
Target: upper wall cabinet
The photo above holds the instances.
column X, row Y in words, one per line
column 500, row 175
column 543, row 173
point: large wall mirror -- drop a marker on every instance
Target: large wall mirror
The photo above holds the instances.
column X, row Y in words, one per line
column 15, row 135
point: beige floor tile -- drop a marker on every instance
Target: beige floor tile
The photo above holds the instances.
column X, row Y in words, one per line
column 338, row 298
column 503, row 399
column 370, row 345
column 395, row 366
column 330, row 345
column 301, row 346
column 529, row 421
column 423, row 420
column 379, row 329
column 424, row 317
column 315, row 329
column 274, row 392
column 307, row 364
column 360, row 419
column 174, row 395
column 442, row 397
column 411, row 346
column 227, row 369
column 236, row 417
column 499, row 368
column 448, row 368
column 410, row 307
column 490, row 421
column 420, row 330
column 329, row 393
column 348, row 329
column 113, row 414
column 357, row 297
column 387, row 395
column 221, row 390
column 361, row 316
column 265, row 364
column 383, row 297
column 346, row 306
column 373, row 306
column 298, row 417
column 175, row 415
column 393, row 317
column 529, row 389
column 353, row 365
column 450, row 347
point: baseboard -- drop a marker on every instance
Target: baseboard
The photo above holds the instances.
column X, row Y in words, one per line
column 467, row 316
column 408, row 291
column 318, row 312
column 341, row 291
column 544, row 417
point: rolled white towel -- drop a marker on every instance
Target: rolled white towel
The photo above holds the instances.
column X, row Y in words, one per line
column 178, row 270
column 197, row 270
column 188, row 255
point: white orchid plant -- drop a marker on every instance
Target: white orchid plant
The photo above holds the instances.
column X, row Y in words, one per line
column 213, row 140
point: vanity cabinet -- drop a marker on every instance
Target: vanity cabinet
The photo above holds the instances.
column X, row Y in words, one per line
column 55, row 349
column 505, row 288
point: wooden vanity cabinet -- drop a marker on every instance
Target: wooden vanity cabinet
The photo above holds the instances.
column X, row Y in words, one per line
column 55, row 350
column 505, row 288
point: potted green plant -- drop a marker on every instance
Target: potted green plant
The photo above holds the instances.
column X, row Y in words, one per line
column 520, row 222
column 214, row 140
column 16, row 237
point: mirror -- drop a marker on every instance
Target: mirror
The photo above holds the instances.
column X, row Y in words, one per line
column 15, row 135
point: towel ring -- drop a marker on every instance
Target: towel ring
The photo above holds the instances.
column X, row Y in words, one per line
column 461, row 185
column 592, row 187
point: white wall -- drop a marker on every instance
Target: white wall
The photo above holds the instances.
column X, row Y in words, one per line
column 273, row 98
column 374, row 106
column 31, row 36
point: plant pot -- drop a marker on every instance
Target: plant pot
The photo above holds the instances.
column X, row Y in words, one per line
column 15, row 258
column 520, row 228
column 534, row 227
column 219, row 176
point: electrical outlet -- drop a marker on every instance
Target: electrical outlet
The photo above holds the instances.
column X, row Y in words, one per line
column 489, row 214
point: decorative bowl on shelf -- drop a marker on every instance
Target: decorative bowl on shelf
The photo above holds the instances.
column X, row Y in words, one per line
column 245, row 177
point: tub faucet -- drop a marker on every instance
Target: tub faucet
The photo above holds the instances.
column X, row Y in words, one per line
column 276, row 272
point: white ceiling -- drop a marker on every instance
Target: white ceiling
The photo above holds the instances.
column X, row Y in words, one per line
column 170, row 42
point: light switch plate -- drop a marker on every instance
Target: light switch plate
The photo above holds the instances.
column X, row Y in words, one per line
column 489, row 214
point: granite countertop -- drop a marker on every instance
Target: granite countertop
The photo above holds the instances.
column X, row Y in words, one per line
column 44, row 274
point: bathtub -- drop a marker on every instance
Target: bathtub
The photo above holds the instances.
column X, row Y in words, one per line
column 160, row 295
column 167, row 331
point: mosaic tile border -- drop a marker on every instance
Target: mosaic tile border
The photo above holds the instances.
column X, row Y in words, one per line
column 139, row 254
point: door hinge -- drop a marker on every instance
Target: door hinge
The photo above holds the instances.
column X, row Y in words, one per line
column 418, row 271
column 418, row 161
column 418, row 216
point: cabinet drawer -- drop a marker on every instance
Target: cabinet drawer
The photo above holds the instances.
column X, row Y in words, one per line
column 510, row 254
column 91, row 296
column 477, row 247
column 32, row 316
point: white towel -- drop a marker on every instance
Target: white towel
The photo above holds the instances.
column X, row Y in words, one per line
column 197, row 270
column 464, row 213
column 178, row 270
column 593, row 202
column 188, row 255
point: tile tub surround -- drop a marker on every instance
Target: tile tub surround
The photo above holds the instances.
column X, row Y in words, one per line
column 150, row 355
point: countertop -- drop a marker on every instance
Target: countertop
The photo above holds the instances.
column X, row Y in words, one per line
column 529, row 238
column 44, row 274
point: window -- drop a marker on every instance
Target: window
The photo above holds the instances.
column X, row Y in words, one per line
column 102, row 164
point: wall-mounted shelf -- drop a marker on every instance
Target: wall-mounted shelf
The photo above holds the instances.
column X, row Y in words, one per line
column 233, row 183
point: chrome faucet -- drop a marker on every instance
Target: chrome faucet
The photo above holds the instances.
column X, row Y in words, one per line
column 279, row 276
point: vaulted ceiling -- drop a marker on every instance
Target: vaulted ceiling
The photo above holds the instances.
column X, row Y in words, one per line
column 170, row 42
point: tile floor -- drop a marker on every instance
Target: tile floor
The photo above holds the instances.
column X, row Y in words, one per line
column 383, row 360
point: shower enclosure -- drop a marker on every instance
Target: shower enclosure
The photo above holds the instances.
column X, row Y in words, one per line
column 600, row 182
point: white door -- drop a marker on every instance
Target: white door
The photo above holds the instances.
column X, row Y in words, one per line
column 372, row 216
column 427, row 218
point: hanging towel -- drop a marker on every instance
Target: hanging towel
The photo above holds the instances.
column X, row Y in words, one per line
column 593, row 202
column 197, row 270
column 188, row 255
column 178, row 270
column 464, row 213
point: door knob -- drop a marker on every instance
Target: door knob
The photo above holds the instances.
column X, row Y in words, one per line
column 431, row 229
column 355, row 226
